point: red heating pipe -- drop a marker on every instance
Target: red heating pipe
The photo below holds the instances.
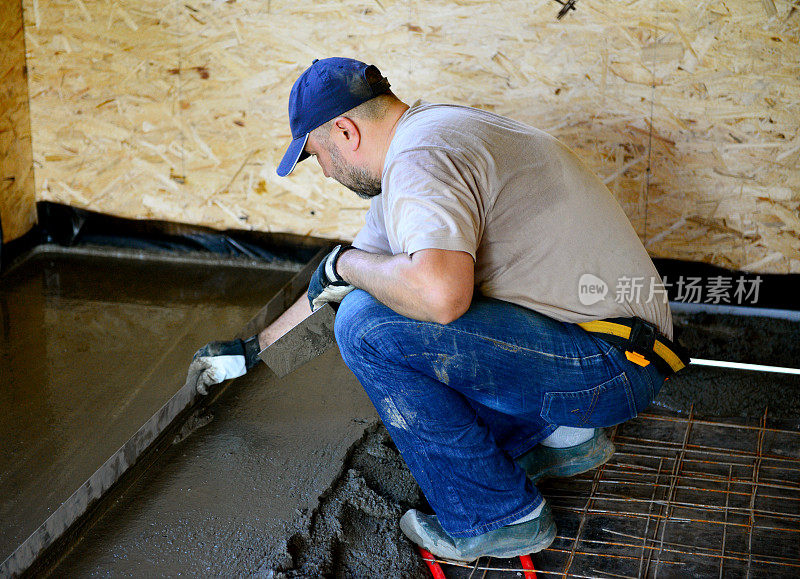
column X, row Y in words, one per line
column 527, row 564
column 435, row 568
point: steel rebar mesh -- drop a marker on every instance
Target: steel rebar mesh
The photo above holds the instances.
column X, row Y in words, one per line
column 680, row 497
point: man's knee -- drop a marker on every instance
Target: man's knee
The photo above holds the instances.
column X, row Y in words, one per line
column 369, row 332
column 357, row 310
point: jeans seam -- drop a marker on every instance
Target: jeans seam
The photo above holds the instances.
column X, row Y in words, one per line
column 630, row 396
column 590, row 411
column 486, row 338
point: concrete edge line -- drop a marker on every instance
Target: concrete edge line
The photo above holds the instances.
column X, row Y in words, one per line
column 113, row 469
column 96, row 486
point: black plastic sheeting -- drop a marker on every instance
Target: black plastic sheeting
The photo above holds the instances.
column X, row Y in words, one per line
column 65, row 225
column 774, row 290
column 69, row 226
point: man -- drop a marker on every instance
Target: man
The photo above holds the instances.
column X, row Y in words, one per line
column 486, row 244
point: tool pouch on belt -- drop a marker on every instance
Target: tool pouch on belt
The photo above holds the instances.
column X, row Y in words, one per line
column 641, row 342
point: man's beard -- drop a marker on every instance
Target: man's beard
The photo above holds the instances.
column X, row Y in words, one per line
column 354, row 178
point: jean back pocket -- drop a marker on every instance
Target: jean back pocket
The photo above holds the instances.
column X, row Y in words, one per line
column 607, row 404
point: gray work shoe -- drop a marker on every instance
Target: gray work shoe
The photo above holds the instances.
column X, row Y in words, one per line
column 544, row 461
column 509, row 541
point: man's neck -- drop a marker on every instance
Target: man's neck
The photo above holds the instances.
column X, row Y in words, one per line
column 389, row 126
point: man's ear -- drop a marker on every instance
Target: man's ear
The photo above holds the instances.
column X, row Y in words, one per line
column 347, row 133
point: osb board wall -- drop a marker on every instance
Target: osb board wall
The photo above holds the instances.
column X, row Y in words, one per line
column 17, row 204
column 689, row 110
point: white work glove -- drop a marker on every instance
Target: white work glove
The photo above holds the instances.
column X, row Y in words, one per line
column 326, row 284
column 219, row 361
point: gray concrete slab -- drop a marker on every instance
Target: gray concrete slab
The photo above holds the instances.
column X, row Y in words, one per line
column 227, row 499
column 92, row 346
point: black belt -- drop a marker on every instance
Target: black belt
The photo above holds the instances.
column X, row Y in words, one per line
column 641, row 342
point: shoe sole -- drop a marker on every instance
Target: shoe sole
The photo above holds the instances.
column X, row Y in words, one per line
column 415, row 535
column 576, row 467
column 540, row 545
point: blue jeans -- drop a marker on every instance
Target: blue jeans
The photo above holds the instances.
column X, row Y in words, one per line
column 461, row 401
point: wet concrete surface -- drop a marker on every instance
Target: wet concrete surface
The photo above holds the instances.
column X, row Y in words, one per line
column 297, row 478
column 92, row 346
column 236, row 496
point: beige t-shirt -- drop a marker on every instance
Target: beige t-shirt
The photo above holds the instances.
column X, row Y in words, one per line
column 544, row 231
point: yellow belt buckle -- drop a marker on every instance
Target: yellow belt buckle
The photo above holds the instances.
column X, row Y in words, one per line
column 636, row 358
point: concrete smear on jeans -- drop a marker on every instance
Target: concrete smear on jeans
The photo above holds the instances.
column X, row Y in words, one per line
column 296, row 478
column 92, row 346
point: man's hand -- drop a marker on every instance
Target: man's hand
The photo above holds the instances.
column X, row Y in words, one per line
column 219, row 361
column 326, row 283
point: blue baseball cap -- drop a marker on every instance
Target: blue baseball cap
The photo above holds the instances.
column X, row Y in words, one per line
column 327, row 88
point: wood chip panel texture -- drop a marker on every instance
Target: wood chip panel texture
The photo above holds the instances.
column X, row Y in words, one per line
column 17, row 200
column 688, row 110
